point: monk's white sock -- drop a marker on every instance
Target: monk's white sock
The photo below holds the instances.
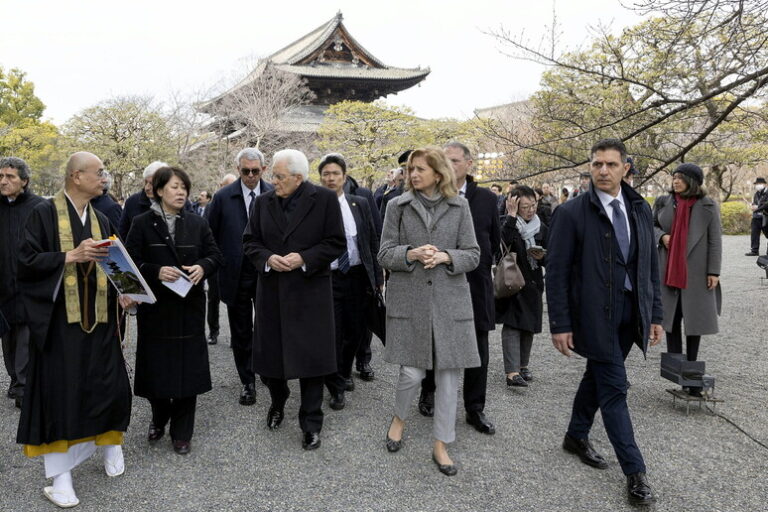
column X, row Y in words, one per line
column 63, row 483
column 114, row 462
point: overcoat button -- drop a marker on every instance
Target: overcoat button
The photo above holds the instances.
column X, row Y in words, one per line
column 429, row 283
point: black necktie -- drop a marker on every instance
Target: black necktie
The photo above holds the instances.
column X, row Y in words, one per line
column 252, row 195
column 622, row 236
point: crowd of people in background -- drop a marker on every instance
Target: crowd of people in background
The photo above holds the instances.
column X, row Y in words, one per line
column 300, row 265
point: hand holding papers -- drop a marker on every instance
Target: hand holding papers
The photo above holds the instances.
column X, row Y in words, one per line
column 181, row 285
column 123, row 274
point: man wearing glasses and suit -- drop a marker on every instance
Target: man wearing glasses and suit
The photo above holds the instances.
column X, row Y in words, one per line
column 227, row 215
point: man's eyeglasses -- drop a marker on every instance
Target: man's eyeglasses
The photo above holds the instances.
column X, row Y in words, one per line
column 246, row 171
column 100, row 173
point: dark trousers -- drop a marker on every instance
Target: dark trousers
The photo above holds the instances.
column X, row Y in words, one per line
column 213, row 304
column 16, row 357
column 179, row 411
column 241, row 316
column 475, row 379
column 604, row 387
column 756, row 228
column 363, row 356
column 675, row 338
column 349, row 302
column 311, row 408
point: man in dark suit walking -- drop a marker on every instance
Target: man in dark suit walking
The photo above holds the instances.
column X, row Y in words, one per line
column 293, row 235
column 603, row 297
column 482, row 204
column 227, row 215
column 356, row 274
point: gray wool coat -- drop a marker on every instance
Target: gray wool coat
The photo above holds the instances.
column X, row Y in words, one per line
column 426, row 304
column 701, row 306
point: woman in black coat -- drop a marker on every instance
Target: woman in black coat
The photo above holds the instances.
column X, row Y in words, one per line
column 172, row 353
column 525, row 234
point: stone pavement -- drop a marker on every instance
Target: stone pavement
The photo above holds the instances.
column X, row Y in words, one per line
column 696, row 462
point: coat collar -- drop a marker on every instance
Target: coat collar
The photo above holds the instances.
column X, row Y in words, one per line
column 305, row 204
column 630, row 194
column 409, row 197
column 235, row 189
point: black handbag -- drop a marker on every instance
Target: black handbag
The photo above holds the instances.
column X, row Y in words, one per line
column 376, row 315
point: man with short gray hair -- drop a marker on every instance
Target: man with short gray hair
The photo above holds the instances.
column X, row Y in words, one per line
column 227, row 215
column 15, row 206
column 139, row 202
column 294, row 234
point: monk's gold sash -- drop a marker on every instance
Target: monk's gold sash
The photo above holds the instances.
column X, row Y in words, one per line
column 71, row 291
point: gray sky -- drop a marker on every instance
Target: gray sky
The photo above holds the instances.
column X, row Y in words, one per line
column 81, row 52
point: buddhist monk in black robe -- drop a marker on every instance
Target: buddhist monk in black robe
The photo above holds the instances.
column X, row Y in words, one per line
column 78, row 396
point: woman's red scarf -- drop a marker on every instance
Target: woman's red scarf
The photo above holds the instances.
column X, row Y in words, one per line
column 677, row 266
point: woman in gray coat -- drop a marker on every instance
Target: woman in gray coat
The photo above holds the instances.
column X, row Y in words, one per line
column 428, row 244
column 689, row 237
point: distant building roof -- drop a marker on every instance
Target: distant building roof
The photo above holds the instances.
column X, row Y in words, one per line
column 336, row 67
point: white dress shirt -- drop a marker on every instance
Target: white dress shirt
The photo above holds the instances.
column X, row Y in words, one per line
column 605, row 200
column 247, row 195
column 350, row 231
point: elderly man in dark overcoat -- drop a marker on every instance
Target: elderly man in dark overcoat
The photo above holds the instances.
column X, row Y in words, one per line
column 603, row 297
column 293, row 235
column 227, row 215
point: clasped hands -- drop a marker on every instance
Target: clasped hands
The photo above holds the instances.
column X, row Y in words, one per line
column 429, row 256
column 287, row 263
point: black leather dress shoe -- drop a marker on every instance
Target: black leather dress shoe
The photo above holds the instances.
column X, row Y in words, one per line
column 366, row 372
column 311, row 440
column 274, row 418
column 427, row 403
column 517, row 381
column 155, row 433
column 213, row 338
column 349, row 384
column 248, row 394
column 337, row 402
column 526, row 374
column 751, row 253
column 638, row 490
column 583, row 448
column 478, row 420
column 181, row 447
column 446, row 469
column 17, row 402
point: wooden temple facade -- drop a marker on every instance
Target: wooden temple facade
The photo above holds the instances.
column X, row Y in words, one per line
column 335, row 67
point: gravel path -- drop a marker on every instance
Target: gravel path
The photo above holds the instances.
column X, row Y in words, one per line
column 696, row 462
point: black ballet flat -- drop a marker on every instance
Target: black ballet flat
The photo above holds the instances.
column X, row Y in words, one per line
column 446, row 469
column 392, row 445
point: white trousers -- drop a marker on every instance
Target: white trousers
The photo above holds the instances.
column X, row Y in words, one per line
column 58, row 463
column 446, row 398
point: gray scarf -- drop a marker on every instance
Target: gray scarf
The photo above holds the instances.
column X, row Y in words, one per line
column 528, row 230
column 169, row 218
column 430, row 204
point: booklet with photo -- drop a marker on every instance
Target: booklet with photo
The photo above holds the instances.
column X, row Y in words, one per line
column 123, row 274
column 181, row 286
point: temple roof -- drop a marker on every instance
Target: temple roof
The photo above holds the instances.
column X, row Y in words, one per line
column 336, row 67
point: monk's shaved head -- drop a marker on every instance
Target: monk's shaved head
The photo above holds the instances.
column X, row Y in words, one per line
column 80, row 160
